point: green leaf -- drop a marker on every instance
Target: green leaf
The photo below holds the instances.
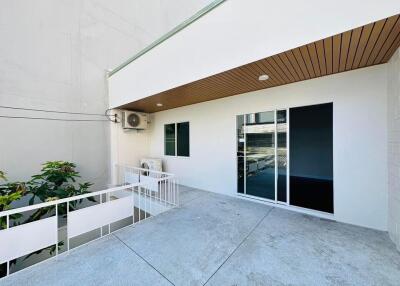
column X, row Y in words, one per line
column 3, row 176
column 57, row 179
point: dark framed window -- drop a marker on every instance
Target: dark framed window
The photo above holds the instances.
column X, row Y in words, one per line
column 176, row 139
column 169, row 139
column 182, row 146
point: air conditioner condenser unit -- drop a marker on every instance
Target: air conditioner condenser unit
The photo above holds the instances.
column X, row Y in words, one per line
column 135, row 120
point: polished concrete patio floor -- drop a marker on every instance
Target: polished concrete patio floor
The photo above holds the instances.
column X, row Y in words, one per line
column 218, row 240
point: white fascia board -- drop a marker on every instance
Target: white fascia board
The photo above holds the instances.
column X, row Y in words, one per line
column 238, row 32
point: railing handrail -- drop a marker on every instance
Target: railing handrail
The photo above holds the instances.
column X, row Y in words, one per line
column 87, row 195
column 66, row 200
column 146, row 170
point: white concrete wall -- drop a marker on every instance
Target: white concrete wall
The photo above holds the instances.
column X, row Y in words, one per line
column 53, row 55
column 127, row 147
column 238, row 32
column 360, row 134
column 394, row 147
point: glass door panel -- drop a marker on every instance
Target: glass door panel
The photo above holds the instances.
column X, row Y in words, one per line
column 240, row 152
column 311, row 157
column 260, row 154
column 282, row 155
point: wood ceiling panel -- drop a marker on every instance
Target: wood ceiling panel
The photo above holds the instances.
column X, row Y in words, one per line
column 307, row 61
column 300, row 61
column 295, row 64
column 288, row 65
column 392, row 49
column 276, row 70
column 362, row 43
column 328, row 55
column 271, row 72
column 376, row 32
column 355, row 39
column 390, row 40
column 344, row 50
column 312, row 50
column 284, row 69
column 389, row 24
column 364, row 46
column 336, row 49
column 321, row 56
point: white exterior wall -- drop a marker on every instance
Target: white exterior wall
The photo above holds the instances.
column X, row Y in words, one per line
column 394, row 147
column 238, row 32
column 127, row 146
column 54, row 55
column 359, row 126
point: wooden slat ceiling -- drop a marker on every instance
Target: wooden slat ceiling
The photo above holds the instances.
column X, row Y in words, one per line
column 364, row 46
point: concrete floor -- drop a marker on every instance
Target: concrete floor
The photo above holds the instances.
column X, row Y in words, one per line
column 217, row 240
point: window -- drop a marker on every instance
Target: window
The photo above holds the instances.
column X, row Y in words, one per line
column 169, row 139
column 176, row 139
column 182, row 139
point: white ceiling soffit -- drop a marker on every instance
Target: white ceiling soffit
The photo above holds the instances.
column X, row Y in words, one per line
column 238, row 32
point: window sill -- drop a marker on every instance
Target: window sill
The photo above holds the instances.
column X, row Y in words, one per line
column 179, row 157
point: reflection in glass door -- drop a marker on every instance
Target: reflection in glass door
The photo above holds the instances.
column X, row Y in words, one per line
column 260, row 154
column 240, row 153
column 282, row 155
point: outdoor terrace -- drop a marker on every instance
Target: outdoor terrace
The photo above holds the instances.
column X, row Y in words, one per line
column 218, row 240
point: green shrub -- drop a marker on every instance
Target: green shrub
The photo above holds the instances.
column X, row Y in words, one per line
column 56, row 180
column 9, row 192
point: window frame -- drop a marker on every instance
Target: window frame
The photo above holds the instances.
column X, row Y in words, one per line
column 176, row 140
column 165, row 139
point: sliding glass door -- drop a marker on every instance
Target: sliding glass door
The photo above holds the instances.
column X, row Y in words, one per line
column 262, row 155
column 286, row 156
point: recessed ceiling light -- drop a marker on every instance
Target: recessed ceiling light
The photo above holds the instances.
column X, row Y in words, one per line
column 159, row 104
column 263, row 77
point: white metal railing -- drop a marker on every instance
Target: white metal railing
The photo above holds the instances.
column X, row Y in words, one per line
column 162, row 187
column 140, row 194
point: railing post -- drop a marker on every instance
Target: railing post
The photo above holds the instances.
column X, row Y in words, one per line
column 108, row 200
column 133, row 203
column 165, row 193
column 177, row 191
column 173, row 191
column 159, row 191
column 140, row 209
column 57, row 230
column 145, row 202
column 101, row 228
column 7, row 227
column 67, row 227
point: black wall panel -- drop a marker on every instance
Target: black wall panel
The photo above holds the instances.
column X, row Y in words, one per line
column 311, row 157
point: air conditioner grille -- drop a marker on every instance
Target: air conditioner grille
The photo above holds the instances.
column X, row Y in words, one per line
column 133, row 119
